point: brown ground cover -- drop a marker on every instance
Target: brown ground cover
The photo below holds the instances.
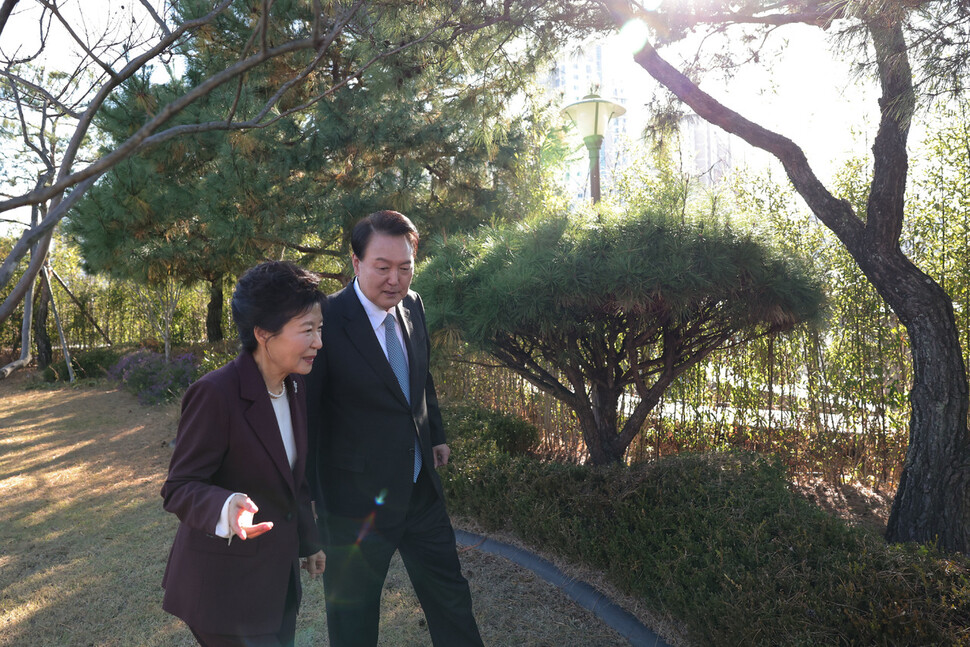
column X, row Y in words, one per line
column 84, row 540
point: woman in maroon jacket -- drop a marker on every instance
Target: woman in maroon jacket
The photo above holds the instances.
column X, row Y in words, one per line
column 236, row 480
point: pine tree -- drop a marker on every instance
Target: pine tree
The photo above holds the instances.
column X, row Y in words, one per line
column 583, row 309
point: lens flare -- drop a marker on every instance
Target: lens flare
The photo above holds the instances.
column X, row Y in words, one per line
column 633, row 35
column 366, row 527
column 381, row 497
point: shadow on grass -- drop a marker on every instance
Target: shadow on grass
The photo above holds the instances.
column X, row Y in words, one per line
column 84, row 540
column 83, row 528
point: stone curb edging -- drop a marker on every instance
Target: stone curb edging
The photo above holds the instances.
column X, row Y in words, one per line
column 582, row 593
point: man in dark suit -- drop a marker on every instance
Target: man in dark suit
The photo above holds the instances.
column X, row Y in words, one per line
column 376, row 436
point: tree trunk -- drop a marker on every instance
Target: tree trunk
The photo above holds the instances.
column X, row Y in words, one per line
column 599, row 427
column 932, row 503
column 45, row 352
column 933, row 500
column 213, row 315
column 25, row 342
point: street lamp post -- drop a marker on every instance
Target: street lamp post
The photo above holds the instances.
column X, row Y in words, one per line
column 592, row 115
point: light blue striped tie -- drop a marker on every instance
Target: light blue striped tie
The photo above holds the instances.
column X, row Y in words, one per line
column 395, row 356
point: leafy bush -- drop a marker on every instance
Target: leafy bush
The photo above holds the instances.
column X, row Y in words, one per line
column 57, row 371
column 151, row 378
column 720, row 543
column 216, row 356
column 94, row 362
column 499, row 431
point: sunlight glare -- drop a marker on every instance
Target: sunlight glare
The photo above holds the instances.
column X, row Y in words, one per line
column 633, row 35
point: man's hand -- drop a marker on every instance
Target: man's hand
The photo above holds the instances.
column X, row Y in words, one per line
column 241, row 511
column 315, row 564
column 441, row 454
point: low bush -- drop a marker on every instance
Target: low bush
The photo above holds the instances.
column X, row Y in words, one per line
column 495, row 431
column 94, row 362
column 720, row 543
column 152, row 379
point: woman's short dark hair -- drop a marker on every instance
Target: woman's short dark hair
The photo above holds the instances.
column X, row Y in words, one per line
column 269, row 295
column 386, row 222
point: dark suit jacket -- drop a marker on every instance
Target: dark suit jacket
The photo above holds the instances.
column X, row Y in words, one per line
column 229, row 441
column 361, row 426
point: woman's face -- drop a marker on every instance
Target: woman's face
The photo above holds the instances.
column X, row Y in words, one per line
column 293, row 348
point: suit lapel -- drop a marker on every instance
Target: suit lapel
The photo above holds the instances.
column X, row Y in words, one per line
column 262, row 418
column 358, row 329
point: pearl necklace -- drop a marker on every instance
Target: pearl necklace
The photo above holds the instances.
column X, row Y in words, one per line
column 277, row 396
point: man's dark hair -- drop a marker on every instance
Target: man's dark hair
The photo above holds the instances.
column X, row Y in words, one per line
column 386, row 222
column 269, row 295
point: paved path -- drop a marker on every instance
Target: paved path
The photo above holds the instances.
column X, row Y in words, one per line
column 582, row 593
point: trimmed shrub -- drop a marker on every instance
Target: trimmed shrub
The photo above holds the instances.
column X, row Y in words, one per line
column 151, row 378
column 720, row 543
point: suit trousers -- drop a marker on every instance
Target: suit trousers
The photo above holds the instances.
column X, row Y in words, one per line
column 357, row 563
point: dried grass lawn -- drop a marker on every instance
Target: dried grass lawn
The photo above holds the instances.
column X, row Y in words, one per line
column 84, row 539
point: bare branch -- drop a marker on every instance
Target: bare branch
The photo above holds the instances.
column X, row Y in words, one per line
column 24, row 130
column 65, row 180
column 41, row 235
column 158, row 19
column 13, row 78
column 77, row 39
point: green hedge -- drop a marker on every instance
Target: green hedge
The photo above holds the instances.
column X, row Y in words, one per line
column 719, row 542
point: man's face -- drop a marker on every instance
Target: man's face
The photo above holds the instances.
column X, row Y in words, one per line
column 385, row 272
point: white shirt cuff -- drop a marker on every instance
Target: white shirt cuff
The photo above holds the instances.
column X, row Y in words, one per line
column 222, row 527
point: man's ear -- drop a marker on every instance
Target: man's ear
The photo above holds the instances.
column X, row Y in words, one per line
column 356, row 263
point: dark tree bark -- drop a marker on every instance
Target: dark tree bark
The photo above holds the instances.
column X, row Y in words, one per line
column 5, row 10
column 213, row 315
column 933, row 501
column 45, row 352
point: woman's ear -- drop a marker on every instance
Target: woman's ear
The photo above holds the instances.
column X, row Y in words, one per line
column 262, row 336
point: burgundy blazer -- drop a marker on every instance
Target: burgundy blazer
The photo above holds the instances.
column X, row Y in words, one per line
column 229, row 441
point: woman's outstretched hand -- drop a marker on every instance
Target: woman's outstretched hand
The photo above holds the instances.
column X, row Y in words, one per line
column 241, row 511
